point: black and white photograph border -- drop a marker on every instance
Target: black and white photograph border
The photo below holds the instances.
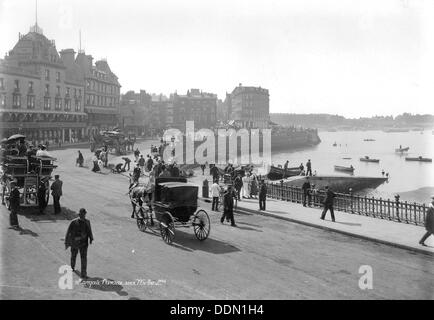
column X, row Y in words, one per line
column 216, row 150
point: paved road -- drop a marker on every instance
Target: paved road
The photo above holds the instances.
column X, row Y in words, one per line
column 264, row 258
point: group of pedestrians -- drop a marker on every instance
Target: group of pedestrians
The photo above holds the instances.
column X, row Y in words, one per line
column 301, row 168
column 100, row 159
column 231, row 194
column 15, row 199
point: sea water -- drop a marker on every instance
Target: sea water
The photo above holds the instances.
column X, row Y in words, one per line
column 413, row 181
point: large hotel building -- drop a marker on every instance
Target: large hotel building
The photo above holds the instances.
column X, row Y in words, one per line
column 249, row 106
column 55, row 96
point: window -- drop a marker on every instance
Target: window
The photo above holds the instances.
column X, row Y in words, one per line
column 79, row 92
column 58, row 90
column 75, row 92
column 88, row 84
column 47, row 89
column 30, row 86
column 2, row 83
column 77, row 105
column 87, row 99
column 16, row 101
column 2, row 100
column 58, row 76
column 30, row 102
column 58, row 104
column 67, row 91
column 47, row 74
column 67, row 104
column 17, row 85
column 47, row 103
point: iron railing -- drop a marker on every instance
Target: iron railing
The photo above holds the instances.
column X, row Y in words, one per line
column 393, row 210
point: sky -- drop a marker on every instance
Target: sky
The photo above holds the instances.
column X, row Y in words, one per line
column 347, row 57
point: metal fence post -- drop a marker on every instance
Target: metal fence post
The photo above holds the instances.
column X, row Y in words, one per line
column 397, row 207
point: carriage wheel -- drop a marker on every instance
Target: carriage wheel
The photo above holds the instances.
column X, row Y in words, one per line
column 167, row 230
column 142, row 218
column 201, row 225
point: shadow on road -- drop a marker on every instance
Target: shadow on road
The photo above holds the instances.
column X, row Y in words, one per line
column 350, row 224
column 105, row 285
column 28, row 231
column 184, row 240
column 249, row 224
column 246, row 228
column 32, row 213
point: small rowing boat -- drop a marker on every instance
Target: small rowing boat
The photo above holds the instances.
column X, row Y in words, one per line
column 420, row 159
column 367, row 159
column 368, row 139
column 347, row 158
column 277, row 173
column 345, row 169
column 402, row 149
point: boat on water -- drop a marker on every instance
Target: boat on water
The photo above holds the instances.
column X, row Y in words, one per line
column 277, row 173
column 368, row 139
column 335, row 144
column 420, row 159
column 346, row 158
column 402, row 149
column 390, row 130
column 337, row 183
column 367, row 159
column 349, row 169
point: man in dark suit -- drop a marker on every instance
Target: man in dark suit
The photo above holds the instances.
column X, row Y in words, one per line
column 77, row 237
column 328, row 204
column 238, row 184
column 56, row 192
column 306, row 192
column 262, row 195
column 42, row 191
column 429, row 222
column 228, row 205
column 14, row 204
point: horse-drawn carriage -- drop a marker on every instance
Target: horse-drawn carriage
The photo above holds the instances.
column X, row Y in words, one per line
column 115, row 141
column 174, row 204
column 28, row 172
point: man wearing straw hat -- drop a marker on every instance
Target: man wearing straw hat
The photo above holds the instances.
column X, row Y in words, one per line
column 429, row 222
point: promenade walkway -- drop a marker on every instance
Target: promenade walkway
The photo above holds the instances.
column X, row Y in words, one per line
column 397, row 234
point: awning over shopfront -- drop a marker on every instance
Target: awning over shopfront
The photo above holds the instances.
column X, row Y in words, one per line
column 96, row 110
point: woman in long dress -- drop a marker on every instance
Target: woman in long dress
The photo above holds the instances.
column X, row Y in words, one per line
column 254, row 186
column 246, row 191
column 95, row 168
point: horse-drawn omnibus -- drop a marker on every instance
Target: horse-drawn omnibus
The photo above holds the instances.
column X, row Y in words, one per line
column 27, row 171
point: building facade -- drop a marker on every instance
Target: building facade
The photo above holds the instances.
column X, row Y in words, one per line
column 134, row 112
column 249, row 106
column 196, row 106
column 101, row 94
column 160, row 116
column 41, row 96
